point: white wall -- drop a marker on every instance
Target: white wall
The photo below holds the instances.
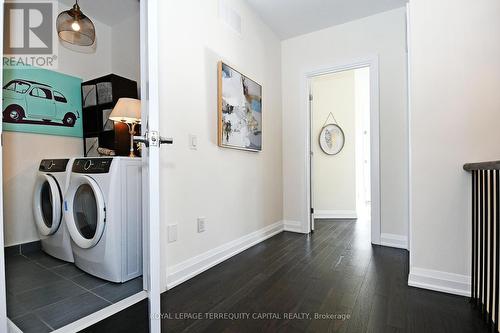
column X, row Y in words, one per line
column 238, row 192
column 455, row 103
column 93, row 62
column 382, row 34
column 22, row 152
column 334, row 177
column 125, row 51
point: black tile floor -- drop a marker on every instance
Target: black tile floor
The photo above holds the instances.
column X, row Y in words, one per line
column 44, row 293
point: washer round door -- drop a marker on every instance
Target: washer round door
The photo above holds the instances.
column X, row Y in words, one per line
column 85, row 211
column 47, row 204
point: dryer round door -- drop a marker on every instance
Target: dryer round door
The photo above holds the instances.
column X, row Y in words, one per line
column 85, row 211
column 47, row 204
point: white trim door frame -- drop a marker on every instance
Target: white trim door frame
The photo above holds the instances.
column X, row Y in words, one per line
column 373, row 64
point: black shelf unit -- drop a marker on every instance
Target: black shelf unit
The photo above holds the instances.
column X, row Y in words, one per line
column 103, row 93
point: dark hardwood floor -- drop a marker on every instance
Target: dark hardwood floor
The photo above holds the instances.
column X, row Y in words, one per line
column 335, row 272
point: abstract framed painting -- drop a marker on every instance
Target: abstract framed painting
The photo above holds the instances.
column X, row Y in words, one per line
column 239, row 110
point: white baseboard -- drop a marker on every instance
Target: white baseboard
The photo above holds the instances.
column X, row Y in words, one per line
column 196, row 265
column 335, row 214
column 440, row 281
column 292, row 226
column 393, row 240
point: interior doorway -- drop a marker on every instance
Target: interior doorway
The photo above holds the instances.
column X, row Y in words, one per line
column 343, row 135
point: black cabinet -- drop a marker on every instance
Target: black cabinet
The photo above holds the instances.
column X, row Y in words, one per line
column 99, row 97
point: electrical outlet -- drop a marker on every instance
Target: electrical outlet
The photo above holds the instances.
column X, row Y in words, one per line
column 172, row 233
column 201, row 224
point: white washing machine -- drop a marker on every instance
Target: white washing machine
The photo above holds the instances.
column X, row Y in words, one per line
column 51, row 184
column 103, row 212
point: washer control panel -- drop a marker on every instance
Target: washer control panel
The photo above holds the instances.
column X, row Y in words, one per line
column 57, row 165
column 92, row 165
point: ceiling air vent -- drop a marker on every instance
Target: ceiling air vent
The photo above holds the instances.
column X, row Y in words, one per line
column 229, row 17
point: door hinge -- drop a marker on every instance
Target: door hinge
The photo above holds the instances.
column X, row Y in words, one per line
column 310, row 97
column 312, row 210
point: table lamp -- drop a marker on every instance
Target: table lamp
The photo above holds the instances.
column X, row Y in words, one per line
column 128, row 111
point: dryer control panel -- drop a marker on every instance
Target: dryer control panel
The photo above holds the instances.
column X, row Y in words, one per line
column 58, row 165
column 92, row 165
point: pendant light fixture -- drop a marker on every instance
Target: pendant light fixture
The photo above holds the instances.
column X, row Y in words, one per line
column 75, row 28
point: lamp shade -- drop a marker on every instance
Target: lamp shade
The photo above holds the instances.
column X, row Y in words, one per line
column 127, row 110
column 75, row 28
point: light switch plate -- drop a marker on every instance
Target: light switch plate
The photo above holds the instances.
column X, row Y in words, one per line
column 193, row 142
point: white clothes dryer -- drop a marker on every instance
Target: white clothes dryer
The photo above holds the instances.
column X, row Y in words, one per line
column 103, row 210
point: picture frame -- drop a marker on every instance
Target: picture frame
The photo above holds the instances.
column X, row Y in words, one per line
column 42, row 101
column 90, row 147
column 89, row 95
column 239, row 110
column 107, row 124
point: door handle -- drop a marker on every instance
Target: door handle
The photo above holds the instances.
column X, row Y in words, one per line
column 167, row 141
column 153, row 138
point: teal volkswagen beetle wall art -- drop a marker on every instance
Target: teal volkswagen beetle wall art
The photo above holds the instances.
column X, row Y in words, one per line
column 30, row 100
column 41, row 101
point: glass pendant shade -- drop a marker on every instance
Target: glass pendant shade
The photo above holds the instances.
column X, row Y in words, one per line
column 75, row 28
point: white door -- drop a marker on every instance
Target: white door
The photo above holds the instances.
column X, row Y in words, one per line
column 311, row 180
column 3, row 300
column 151, row 157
